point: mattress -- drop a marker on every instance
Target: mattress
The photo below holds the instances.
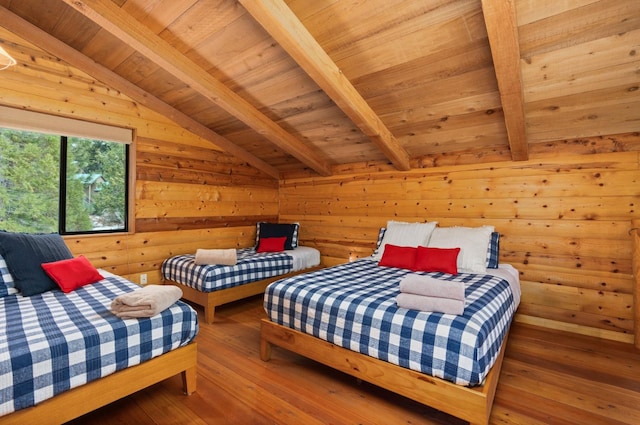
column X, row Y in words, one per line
column 353, row 305
column 251, row 266
column 54, row 341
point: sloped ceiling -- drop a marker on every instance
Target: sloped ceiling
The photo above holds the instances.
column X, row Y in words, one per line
column 327, row 86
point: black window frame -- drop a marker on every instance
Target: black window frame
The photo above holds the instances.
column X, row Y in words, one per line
column 62, row 191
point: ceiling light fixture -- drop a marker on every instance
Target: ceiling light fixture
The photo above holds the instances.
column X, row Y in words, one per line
column 5, row 59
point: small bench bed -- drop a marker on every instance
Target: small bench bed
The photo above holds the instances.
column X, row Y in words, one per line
column 210, row 278
column 211, row 285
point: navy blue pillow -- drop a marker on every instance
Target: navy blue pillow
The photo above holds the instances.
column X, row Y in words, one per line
column 274, row 230
column 24, row 254
column 381, row 233
column 493, row 252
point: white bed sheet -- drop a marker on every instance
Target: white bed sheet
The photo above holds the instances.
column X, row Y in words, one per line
column 511, row 275
column 304, row 257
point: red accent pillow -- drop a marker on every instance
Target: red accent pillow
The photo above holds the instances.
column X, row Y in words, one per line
column 271, row 244
column 403, row 257
column 72, row 273
column 437, row 260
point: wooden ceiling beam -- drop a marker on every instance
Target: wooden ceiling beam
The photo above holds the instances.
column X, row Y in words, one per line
column 110, row 17
column 502, row 28
column 43, row 40
column 285, row 27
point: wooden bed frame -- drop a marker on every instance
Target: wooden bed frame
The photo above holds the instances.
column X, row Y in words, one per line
column 95, row 394
column 210, row 300
column 472, row 404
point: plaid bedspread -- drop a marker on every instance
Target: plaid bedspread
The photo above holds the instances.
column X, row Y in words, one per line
column 251, row 266
column 52, row 342
column 353, row 305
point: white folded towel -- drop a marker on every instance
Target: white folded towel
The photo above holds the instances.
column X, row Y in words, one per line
column 430, row 304
column 224, row 257
column 145, row 302
column 431, row 287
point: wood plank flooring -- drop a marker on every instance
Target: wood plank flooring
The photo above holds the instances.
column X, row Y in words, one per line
column 548, row 377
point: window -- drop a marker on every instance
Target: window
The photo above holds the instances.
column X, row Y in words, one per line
column 70, row 183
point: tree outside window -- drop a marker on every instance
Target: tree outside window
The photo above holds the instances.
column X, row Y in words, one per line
column 94, row 188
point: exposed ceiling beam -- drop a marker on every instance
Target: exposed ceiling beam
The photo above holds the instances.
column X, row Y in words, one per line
column 36, row 36
column 285, row 27
column 502, row 27
column 123, row 26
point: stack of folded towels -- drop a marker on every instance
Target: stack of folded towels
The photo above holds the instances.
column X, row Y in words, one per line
column 224, row 257
column 145, row 302
column 426, row 293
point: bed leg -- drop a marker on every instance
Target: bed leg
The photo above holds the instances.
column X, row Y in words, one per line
column 265, row 350
column 189, row 378
column 209, row 311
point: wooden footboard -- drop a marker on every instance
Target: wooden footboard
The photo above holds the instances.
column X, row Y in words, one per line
column 78, row 401
column 471, row 404
column 210, row 300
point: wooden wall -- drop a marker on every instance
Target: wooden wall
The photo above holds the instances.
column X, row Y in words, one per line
column 564, row 222
column 188, row 196
column 564, row 218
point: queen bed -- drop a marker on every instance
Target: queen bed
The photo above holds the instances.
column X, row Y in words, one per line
column 63, row 351
column 347, row 317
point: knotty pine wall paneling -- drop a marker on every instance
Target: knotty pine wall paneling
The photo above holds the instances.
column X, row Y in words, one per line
column 564, row 218
column 189, row 195
column 564, row 222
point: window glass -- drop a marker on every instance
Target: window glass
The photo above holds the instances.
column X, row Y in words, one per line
column 93, row 190
column 29, row 181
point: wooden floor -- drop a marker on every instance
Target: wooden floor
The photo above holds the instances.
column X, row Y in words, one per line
column 547, row 377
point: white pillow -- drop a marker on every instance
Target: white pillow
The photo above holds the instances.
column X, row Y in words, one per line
column 405, row 234
column 472, row 241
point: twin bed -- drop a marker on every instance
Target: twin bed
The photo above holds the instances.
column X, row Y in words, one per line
column 65, row 354
column 211, row 285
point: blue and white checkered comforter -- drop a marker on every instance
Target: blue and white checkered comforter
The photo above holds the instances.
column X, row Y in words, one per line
column 52, row 342
column 353, row 305
column 251, row 266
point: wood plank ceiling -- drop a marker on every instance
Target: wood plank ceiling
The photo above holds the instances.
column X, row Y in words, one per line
column 318, row 86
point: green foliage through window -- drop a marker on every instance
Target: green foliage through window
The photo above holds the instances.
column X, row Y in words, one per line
column 94, row 189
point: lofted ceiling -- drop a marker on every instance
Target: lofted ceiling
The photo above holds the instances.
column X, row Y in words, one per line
column 316, row 86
